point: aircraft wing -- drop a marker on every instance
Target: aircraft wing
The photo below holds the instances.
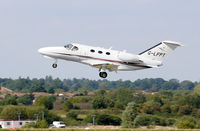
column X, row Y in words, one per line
column 102, row 64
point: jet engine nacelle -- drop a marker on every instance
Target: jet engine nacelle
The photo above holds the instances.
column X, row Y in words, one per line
column 127, row 57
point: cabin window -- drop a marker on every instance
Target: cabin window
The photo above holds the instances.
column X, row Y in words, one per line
column 8, row 123
column 100, row 52
column 107, row 53
column 69, row 46
column 20, row 123
column 92, row 50
column 75, row 48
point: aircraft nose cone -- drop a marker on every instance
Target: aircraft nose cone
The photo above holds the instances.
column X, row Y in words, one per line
column 41, row 50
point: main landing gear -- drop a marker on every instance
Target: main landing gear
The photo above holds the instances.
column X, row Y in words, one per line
column 54, row 65
column 103, row 74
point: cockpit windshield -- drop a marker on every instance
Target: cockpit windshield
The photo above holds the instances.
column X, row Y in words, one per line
column 69, row 46
column 75, row 48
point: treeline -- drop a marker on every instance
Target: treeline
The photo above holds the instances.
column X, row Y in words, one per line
column 132, row 109
column 123, row 106
column 51, row 85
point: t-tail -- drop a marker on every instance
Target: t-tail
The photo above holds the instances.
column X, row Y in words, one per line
column 159, row 52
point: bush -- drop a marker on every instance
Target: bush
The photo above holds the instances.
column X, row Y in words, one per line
column 103, row 119
column 129, row 115
column 38, row 124
column 72, row 122
column 100, row 102
column 67, row 106
column 46, row 101
column 42, row 124
column 30, row 125
column 187, row 122
column 170, row 121
column 72, row 115
column 185, row 110
column 146, row 120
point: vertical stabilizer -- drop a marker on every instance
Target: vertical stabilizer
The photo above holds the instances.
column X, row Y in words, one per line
column 160, row 51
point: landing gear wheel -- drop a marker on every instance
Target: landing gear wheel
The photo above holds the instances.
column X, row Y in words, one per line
column 54, row 65
column 103, row 74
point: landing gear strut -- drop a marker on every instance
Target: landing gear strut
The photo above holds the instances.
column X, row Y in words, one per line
column 54, row 65
column 103, row 74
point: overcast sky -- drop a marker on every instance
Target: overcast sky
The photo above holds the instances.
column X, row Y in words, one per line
column 133, row 25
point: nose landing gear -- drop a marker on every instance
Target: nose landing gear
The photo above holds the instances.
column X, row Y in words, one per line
column 103, row 74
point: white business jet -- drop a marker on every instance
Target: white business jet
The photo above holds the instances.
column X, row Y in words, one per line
column 108, row 59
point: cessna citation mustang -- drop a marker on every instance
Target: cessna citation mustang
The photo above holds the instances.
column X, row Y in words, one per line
column 108, row 59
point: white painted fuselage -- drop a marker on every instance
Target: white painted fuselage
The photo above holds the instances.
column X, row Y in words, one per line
column 108, row 59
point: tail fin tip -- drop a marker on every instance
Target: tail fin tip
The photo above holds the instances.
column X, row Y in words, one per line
column 172, row 42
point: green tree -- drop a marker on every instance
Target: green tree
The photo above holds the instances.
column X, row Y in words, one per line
column 42, row 124
column 186, row 122
column 100, row 102
column 44, row 101
column 51, row 90
column 129, row 115
column 172, row 84
column 38, row 86
column 197, row 89
column 187, row 85
column 26, row 99
column 9, row 100
column 103, row 119
column 146, row 120
column 106, row 119
column 11, row 112
column 30, row 125
column 67, row 105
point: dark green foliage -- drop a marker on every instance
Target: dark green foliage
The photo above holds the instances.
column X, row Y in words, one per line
column 149, row 84
column 187, row 85
column 51, row 90
column 146, row 120
column 38, row 86
column 46, row 101
column 185, row 110
column 187, row 122
column 71, row 119
column 26, row 99
column 166, row 109
column 50, row 117
column 9, row 100
column 101, row 100
column 72, row 115
column 172, row 84
column 129, row 115
column 30, row 125
column 103, row 119
column 67, row 105
column 42, row 124
column 51, row 85
column 11, row 112
column 38, row 124
column 191, row 100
